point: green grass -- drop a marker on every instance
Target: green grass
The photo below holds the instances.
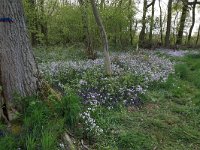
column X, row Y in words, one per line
column 168, row 120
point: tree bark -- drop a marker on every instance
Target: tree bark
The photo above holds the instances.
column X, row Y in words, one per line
column 142, row 32
column 130, row 15
column 161, row 24
column 197, row 40
column 169, row 18
column 18, row 69
column 193, row 21
column 152, row 22
column 175, row 27
column 182, row 22
column 86, row 32
column 135, row 29
column 103, row 37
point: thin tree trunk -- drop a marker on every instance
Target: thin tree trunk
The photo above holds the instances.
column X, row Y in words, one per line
column 152, row 22
column 103, row 37
column 193, row 21
column 175, row 28
column 130, row 15
column 135, row 29
column 18, row 70
column 197, row 40
column 142, row 32
column 86, row 32
column 161, row 24
column 182, row 22
column 169, row 18
column 120, row 24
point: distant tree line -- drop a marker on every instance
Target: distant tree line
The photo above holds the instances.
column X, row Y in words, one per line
column 65, row 22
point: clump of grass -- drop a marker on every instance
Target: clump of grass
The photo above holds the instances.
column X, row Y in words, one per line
column 134, row 140
column 182, row 71
column 30, row 143
column 48, row 141
column 70, row 108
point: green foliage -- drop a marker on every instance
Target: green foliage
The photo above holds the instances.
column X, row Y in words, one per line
column 182, row 71
column 134, row 140
column 70, row 108
column 48, row 141
column 8, row 143
column 30, row 143
column 65, row 27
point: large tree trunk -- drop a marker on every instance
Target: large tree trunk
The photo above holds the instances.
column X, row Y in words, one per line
column 169, row 18
column 182, row 22
column 86, row 32
column 142, row 32
column 193, row 21
column 18, row 70
column 152, row 22
column 103, row 37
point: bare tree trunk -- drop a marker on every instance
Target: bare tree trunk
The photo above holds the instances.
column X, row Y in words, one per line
column 18, row 70
column 142, row 32
column 198, row 36
column 161, row 24
column 104, row 38
column 120, row 24
column 86, row 32
column 169, row 18
column 135, row 28
column 130, row 15
column 152, row 22
column 182, row 22
column 175, row 27
column 193, row 21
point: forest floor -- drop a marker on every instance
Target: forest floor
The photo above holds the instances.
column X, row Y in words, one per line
column 151, row 102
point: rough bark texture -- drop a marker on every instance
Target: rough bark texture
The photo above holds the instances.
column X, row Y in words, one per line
column 169, row 18
column 18, row 70
column 193, row 21
column 142, row 32
column 103, row 36
column 182, row 22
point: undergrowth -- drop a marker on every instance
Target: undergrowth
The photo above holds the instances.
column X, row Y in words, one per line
column 166, row 117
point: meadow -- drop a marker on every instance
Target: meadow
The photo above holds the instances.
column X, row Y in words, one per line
column 151, row 102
